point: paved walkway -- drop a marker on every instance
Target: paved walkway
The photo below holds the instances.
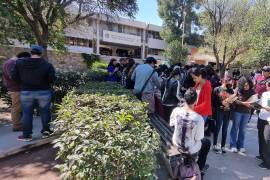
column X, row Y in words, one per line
column 8, row 139
column 234, row 166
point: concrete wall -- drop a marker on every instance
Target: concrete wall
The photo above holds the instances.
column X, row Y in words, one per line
column 67, row 60
column 156, row 44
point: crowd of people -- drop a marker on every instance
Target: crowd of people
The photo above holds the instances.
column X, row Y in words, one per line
column 28, row 78
column 197, row 93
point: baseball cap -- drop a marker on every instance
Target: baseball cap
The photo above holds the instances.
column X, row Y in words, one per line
column 36, row 49
column 266, row 69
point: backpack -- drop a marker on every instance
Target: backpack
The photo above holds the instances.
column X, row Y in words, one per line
column 185, row 166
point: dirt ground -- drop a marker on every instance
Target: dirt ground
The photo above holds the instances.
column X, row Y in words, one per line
column 37, row 164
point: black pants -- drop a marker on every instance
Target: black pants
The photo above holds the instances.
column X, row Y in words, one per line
column 222, row 120
column 206, row 144
column 167, row 112
column 266, row 151
column 264, row 140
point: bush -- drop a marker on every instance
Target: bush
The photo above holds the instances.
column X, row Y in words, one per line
column 100, row 65
column 105, row 137
column 3, row 90
column 68, row 80
column 90, row 59
column 104, row 88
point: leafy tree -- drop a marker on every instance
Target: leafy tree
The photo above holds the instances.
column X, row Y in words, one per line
column 227, row 27
column 175, row 52
column 46, row 19
column 176, row 15
column 259, row 37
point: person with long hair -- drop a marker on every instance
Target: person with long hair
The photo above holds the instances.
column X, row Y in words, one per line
column 242, row 111
column 204, row 91
column 126, row 75
column 171, row 94
column 222, row 112
column 112, row 69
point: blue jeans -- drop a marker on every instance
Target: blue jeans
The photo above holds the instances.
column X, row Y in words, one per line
column 222, row 120
column 238, row 130
column 28, row 99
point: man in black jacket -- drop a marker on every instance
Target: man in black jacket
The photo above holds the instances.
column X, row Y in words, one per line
column 35, row 76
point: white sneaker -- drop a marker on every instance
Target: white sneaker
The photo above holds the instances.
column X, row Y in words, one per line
column 234, row 150
column 242, row 150
column 216, row 149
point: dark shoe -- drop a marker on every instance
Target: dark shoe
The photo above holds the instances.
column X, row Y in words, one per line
column 25, row 139
column 47, row 134
column 205, row 168
column 263, row 166
column 258, row 158
column 17, row 129
column 223, row 150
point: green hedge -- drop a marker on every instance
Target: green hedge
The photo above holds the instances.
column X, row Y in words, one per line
column 68, row 80
column 105, row 135
column 105, row 88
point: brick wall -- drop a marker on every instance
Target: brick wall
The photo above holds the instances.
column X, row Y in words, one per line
column 59, row 60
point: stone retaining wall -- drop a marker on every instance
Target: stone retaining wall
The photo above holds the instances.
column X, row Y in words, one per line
column 66, row 60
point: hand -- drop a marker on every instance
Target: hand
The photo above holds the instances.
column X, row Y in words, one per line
column 266, row 108
column 247, row 104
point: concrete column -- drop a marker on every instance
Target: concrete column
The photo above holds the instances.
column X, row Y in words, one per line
column 143, row 44
column 98, row 34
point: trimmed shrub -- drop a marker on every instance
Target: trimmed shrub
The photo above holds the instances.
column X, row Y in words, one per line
column 105, row 88
column 100, row 65
column 68, row 80
column 90, row 59
column 105, row 136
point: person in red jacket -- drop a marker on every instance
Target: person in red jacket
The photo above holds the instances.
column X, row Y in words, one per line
column 204, row 90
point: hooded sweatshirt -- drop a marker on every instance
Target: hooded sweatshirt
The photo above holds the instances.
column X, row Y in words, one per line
column 34, row 74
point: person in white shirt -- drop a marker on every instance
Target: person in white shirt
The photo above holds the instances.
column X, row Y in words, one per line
column 188, row 135
column 263, row 126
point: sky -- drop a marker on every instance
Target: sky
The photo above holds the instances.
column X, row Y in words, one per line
column 148, row 12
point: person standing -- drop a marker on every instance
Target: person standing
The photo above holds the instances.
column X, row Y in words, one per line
column 171, row 96
column 204, row 91
column 146, row 80
column 264, row 130
column 188, row 135
column 222, row 112
column 13, row 88
column 242, row 111
column 35, row 75
column 260, row 81
column 112, row 70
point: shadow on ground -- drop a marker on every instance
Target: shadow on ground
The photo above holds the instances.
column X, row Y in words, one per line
column 37, row 164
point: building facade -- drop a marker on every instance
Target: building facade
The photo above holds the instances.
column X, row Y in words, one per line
column 116, row 37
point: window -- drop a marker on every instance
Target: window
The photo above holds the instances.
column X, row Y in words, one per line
column 79, row 42
column 120, row 28
column 154, row 35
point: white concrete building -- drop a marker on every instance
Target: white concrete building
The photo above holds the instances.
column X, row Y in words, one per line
column 116, row 37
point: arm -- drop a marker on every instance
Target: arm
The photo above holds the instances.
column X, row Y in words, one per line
column 15, row 75
column 133, row 75
column 199, row 135
column 156, row 80
column 207, row 96
column 51, row 74
column 173, row 118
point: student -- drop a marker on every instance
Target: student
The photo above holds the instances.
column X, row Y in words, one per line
column 189, row 125
column 146, row 80
column 171, row 95
column 35, row 75
column 263, row 129
column 112, row 70
column 222, row 112
column 241, row 116
column 204, row 91
column 14, row 89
